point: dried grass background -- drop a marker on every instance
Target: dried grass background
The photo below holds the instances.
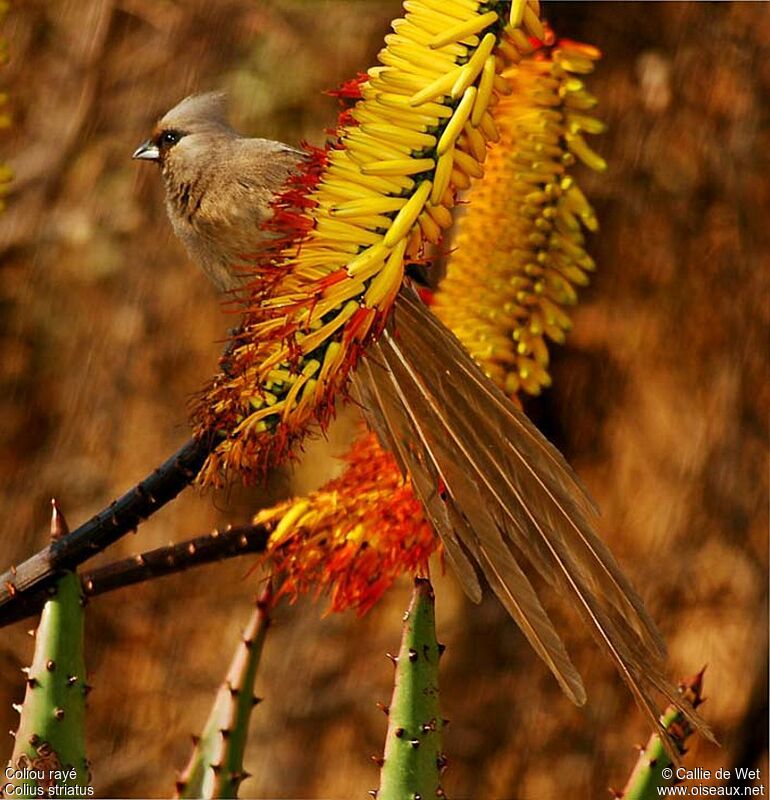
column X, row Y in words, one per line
column 660, row 398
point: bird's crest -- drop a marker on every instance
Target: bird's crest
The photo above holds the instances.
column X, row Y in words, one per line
column 197, row 111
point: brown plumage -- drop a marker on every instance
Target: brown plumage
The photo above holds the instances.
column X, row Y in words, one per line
column 506, row 496
column 218, row 184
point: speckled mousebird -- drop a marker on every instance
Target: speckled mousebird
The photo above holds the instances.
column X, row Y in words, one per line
column 494, row 488
column 218, row 184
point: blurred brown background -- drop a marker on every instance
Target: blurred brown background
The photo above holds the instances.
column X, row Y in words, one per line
column 660, row 398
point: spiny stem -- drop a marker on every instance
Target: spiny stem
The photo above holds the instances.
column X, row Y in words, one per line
column 647, row 777
column 413, row 760
column 216, row 769
column 50, row 742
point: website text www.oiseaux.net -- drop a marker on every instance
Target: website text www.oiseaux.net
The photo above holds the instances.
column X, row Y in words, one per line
column 703, row 790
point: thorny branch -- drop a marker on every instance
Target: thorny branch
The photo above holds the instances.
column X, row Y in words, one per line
column 216, row 546
column 24, row 588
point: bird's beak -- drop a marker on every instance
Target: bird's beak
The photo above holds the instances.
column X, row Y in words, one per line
column 147, row 151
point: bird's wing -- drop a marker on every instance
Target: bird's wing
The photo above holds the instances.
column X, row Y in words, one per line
column 225, row 231
column 249, row 174
column 500, row 494
column 264, row 162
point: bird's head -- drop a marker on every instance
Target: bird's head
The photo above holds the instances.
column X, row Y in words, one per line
column 188, row 126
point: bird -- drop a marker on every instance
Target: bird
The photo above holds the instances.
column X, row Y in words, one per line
column 496, row 491
column 218, row 185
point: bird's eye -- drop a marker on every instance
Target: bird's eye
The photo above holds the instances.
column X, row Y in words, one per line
column 169, row 138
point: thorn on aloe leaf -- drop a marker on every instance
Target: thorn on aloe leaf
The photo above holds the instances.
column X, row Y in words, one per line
column 51, row 737
column 215, row 769
column 413, row 744
column 648, row 775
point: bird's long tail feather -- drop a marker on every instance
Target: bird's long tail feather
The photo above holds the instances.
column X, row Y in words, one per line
column 499, row 494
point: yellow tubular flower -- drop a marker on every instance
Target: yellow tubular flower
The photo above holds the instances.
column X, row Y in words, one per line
column 354, row 215
column 352, row 538
column 519, row 252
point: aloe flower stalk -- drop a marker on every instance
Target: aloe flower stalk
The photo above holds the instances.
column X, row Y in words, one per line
column 216, row 768
column 413, row 761
column 358, row 212
column 49, row 751
column 519, row 252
